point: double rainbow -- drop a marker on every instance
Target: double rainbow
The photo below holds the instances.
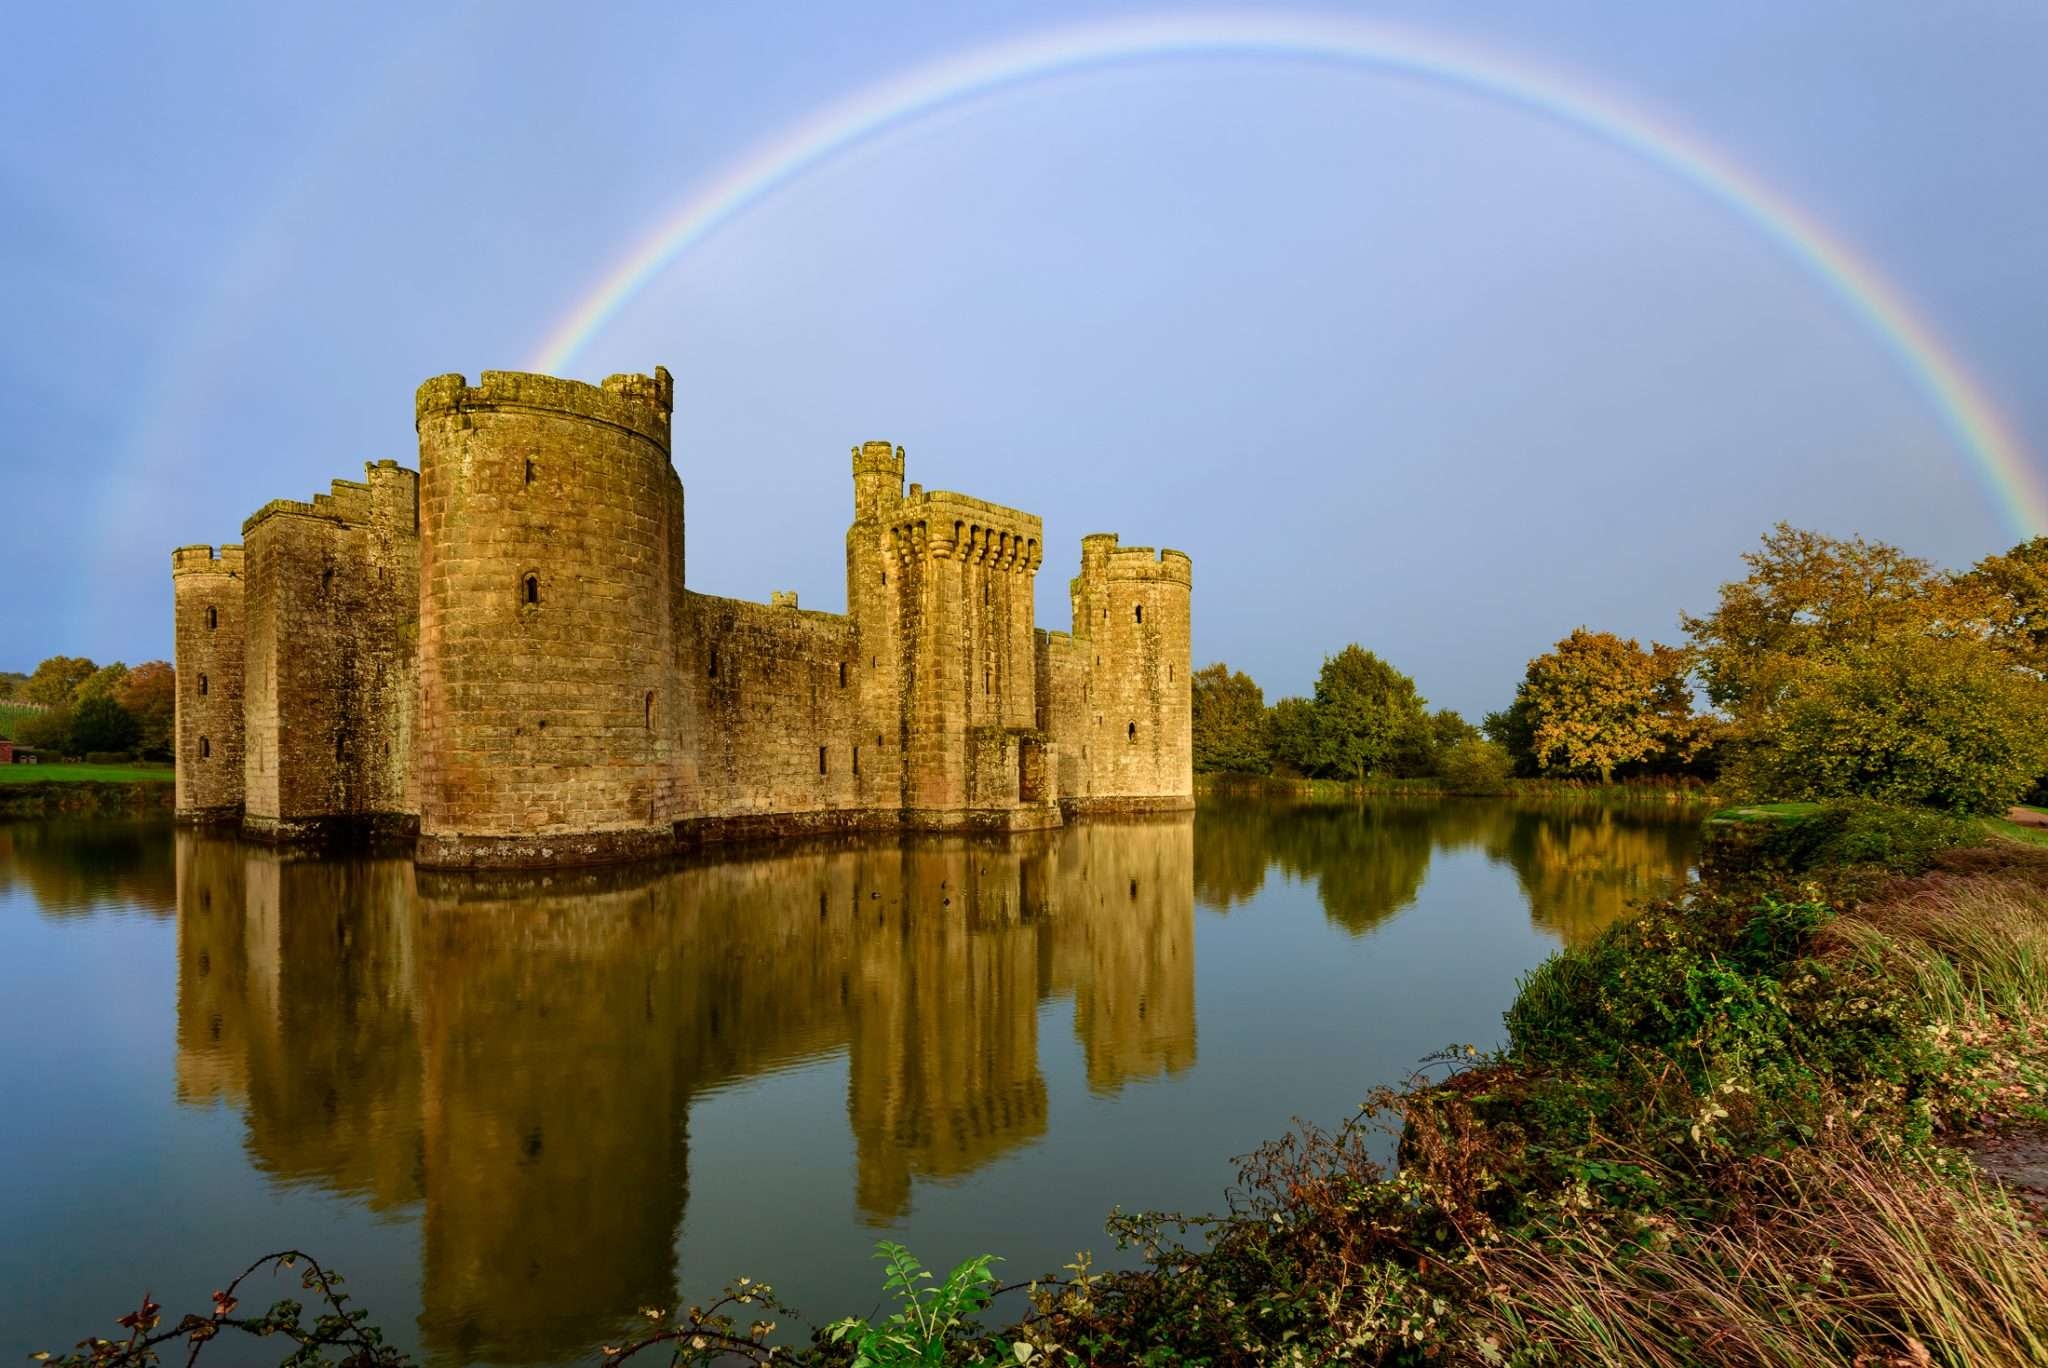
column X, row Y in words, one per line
column 2014, row 486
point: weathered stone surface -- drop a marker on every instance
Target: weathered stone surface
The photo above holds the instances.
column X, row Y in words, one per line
column 502, row 652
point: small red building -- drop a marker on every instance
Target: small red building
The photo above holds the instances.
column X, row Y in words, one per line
column 6, row 751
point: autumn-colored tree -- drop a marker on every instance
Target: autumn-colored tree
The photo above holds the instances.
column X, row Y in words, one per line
column 1228, row 721
column 1933, row 721
column 1364, row 708
column 2010, row 593
column 1809, row 600
column 150, row 694
column 56, row 680
column 1598, row 702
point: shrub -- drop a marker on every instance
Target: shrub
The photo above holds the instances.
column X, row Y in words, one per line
column 1903, row 840
column 1475, row 766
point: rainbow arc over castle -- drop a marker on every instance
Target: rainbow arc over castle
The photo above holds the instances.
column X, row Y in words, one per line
column 1983, row 436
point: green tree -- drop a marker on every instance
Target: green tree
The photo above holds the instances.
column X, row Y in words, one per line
column 1940, row 722
column 107, row 680
column 1364, row 708
column 100, row 723
column 150, row 695
column 1291, row 734
column 1597, row 703
column 57, row 679
column 1229, row 722
column 1514, row 730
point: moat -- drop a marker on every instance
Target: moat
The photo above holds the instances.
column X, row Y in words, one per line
column 514, row 1110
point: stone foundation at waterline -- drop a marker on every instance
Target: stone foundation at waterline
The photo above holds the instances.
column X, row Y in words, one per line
column 498, row 655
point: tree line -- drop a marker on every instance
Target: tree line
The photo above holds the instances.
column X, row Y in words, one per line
column 1834, row 668
column 83, row 708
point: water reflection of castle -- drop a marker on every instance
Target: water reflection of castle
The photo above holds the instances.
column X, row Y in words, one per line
column 520, row 1058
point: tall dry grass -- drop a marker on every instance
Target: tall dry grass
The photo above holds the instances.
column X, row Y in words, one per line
column 1838, row 1259
column 1972, row 946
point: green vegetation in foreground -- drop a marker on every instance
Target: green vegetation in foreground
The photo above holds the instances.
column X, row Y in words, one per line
column 1721, row 1132
column 80, row 774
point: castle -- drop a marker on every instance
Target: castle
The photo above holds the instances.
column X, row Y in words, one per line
column 497, row 655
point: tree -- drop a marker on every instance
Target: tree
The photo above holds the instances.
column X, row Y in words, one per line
column 57, row 679
column 1597, row 703
column 46, row 730
column 1291, row 734
column 1514, row 730
column 1809, row 600
column 2011, row 594
column 1364, row 707
column 1941, row 722
column 107, row 679
column 1228, row 722
column 150, row 695
column 101, row 724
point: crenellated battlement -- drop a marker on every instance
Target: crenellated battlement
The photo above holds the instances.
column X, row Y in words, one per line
column 1103, row 558
column 205, row 560
column 638, row 403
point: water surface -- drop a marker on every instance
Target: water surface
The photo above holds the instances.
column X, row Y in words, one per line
column 514, row 1111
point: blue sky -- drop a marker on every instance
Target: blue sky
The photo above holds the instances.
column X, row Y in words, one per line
column 1395, row 364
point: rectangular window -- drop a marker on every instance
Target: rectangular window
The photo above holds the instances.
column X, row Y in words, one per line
column 821, row 759
column 856, row 759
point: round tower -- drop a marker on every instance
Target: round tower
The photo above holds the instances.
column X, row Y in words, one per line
column 207, row 590
column 550, row 562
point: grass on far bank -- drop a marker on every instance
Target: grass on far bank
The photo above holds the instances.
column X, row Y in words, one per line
column 76, row 774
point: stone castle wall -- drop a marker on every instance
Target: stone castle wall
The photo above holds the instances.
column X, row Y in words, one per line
column 501, row 653
column 331, row 652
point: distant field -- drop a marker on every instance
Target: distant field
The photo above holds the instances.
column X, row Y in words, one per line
column 107, row 774
column 10, row 715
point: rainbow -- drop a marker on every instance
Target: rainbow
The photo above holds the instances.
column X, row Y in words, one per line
column 2000, row 460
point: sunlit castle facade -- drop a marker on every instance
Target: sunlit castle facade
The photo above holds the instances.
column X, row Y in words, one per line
column 497, row 654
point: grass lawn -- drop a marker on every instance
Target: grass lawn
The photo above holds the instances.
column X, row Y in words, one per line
column 2014, row 831
column 68, row 774
column 1775, row 812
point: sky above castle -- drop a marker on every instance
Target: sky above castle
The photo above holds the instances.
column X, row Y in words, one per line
column 1398, row 353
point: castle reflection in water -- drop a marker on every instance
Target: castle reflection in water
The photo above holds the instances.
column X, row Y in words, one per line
column 519, row 1058
column 511, row 1064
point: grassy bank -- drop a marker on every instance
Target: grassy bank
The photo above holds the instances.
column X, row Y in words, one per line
column 92, row 789
column 86, row 774
column 1724, row 1132
column 1660, row 792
